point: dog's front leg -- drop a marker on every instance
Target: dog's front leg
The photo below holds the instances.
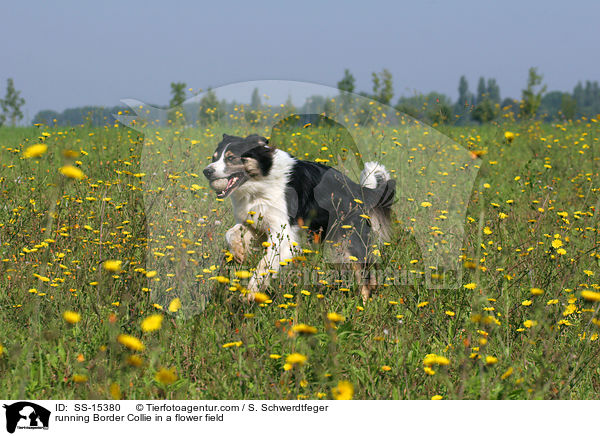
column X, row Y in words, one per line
column 239, row 238
column 280, row 250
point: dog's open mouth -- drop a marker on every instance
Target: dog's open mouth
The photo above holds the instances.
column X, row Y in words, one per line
column 230, row 184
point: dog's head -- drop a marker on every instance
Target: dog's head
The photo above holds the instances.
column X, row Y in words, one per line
column 238, row 160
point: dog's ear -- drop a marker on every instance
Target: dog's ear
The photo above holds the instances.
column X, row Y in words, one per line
column 225, row 135
column 260, row 140
column 258, row 160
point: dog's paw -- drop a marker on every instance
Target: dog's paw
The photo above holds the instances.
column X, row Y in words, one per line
column 365, row 291
column 249, row 297
column 238, row 250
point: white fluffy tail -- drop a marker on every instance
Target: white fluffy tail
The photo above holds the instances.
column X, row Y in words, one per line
column 374, row 174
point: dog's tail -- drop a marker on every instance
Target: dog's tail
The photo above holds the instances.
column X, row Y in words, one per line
column 374, row 176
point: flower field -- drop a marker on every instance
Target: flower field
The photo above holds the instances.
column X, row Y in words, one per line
column 105, row 295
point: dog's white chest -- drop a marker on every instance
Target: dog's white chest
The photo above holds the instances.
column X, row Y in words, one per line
column 262, row 212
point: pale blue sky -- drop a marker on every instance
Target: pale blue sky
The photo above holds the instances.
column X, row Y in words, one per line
column 71, row 53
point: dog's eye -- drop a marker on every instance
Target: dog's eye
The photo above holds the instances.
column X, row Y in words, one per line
column 230, row 158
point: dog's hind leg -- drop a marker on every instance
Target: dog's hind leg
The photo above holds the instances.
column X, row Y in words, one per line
column 365, row 280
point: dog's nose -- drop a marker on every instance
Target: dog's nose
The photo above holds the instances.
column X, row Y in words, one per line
column 208, row 171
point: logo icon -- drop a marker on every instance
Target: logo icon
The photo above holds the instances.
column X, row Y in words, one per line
column 26, row 415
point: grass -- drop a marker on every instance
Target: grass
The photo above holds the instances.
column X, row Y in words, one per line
column 490, row 339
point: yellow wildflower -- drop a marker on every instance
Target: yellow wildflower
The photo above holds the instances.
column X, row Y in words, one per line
column 153, row 322
column 71, row 317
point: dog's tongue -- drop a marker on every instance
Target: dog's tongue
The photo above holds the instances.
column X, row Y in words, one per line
column 230, row 182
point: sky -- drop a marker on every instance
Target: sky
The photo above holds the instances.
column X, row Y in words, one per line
column 64, row 54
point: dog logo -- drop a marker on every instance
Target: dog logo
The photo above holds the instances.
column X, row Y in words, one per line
column 26, row 415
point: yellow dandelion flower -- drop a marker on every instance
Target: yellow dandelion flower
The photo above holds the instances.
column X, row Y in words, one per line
column 135, row 360
column 507, row 374
column 80, row 378
column 491, row 360
column 529, row 323
column 437, row 397
column 71, row 317
column 386, row 368
column 296, row 359
column 72, row 172
column 343, row 391
column 166, row 376
column 470, row 286
column 115, row 391
column 35, row 151
column 591, row 295
column 334, row 317
column 131, row 342
column 243, row 274
column 260, row 297
column 174, row 305
column 112, row 265
column 557, row 243
column 304, row 328
column 232, row 344
column 537, row 291
column 151, row 323
column 434, row 359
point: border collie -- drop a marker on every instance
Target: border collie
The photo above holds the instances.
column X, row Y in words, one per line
column 275, row 196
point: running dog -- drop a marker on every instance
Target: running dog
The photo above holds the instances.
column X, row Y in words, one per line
column 276, row 196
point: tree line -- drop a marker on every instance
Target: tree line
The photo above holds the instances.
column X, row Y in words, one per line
column 484, row 104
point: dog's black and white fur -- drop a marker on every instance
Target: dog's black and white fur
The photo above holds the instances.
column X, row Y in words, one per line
column 275, row 196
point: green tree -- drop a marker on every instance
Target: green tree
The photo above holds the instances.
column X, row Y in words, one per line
column 176, row 103
column 347, row 83
column 177, row 94
column 210, row 108
column 485, row 111
column 346, row 86
column 481, row 90
column 568, row 106
column 288, row 106
column 493, row 90
column 532, row 95
column 255, row 102
column 252, row 114
column 464, row 96
column 383, row 88
column 440, row 113
column 11, row 104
